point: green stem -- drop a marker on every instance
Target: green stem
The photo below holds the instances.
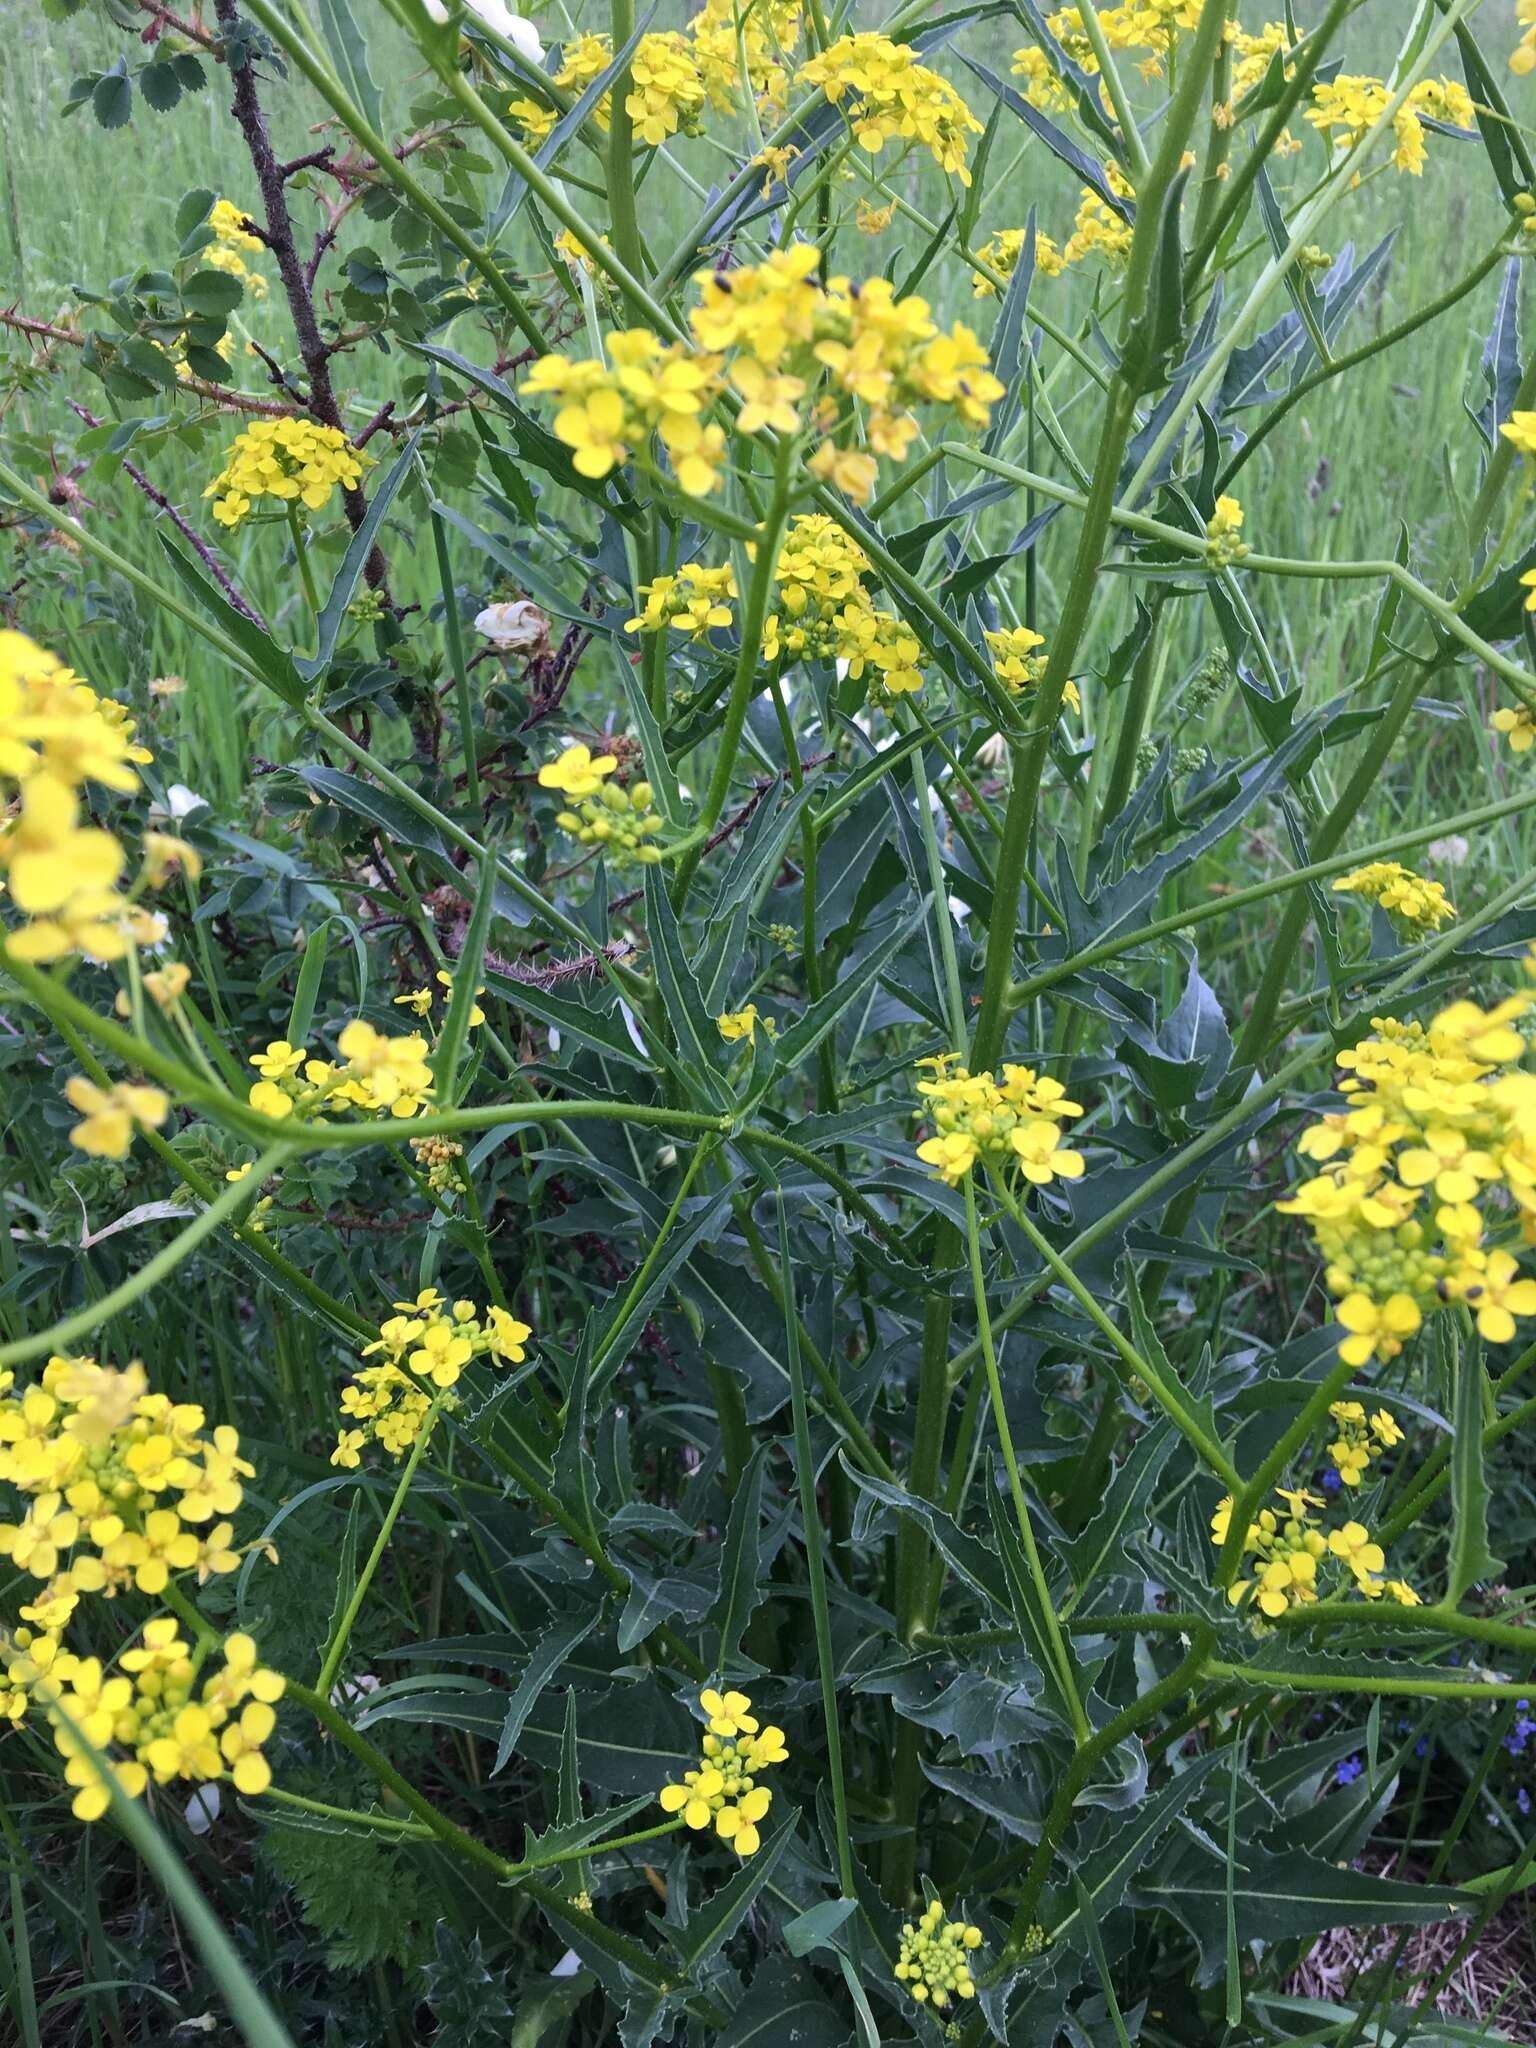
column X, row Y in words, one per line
column 453, row 631
column 385, row 1823
column 749, row 665
column 1060, row 1653
column 330, row 1663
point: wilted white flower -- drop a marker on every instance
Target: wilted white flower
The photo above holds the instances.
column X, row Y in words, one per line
column 515, row 628
column 1452, row 851
column 496, row 14
column 993, row 751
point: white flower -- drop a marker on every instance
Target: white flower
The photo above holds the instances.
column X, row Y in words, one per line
column 516, row 628
column 1452, row 851
column 993, row 751
column 496, row 14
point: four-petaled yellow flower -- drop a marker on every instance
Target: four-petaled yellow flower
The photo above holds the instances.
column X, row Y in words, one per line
column 724, row 1788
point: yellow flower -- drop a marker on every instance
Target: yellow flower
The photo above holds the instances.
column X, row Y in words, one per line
column 110, row 1114
column 1223, row 533
column 886, row 94
column 1496, row 1296
column 1376, row 1331
column 1401, row 892
column 735, row 1025
column 576, row 772
column 846, row 470
column 1353, row 1545
column 1517, row 723
column 1042, row 1156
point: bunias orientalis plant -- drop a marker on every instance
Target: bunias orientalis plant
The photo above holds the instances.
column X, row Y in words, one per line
column 804, row 416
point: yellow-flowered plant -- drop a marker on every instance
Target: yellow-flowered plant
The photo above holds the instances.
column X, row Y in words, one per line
column 292, row 461
column 770, row 333
column 1400, row 891
column 1019, row 664
column 1224, row 543
column 1518, row 725
column 419, row 1001
column 422, row 1352
column 125, row 1490
column 1289, row 1549
column 1360, row 1439
column 1522, row 59
column 724, row 1791
column 375, row 1073
column 736, row 1025
column 696, row 600
column 619, row 822
column 233, row 242
column 58, row 738
column 1006, row 1123
column 887, row 94
column 1435, row 1147
column 1345, row 107
column 825, row 612
column 935, row 1957
column 1001, row 253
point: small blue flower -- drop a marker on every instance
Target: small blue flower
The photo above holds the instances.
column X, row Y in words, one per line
column 1523, row 1800
column 1349, row 1770
column 1421, row 1747
column 1331, row 1481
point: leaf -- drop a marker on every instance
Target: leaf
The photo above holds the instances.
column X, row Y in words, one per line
column 160, row 86
column 546, row 1660
column 1098, row 1552
column 1157, row 332
column 786, row 2009
column 1501, row 356
column 985, row 1708
column 967, row 1557
column 686, row 1009
column 815, row 1929
column 1470, row 1560
column 1503, row 138
column 386, row 813
column 112, row 100
column 448, row 1053
column 611, row 1348
column 212, row 292
column 1283, row 1898
column 349, row 55
column 359, row 548
column 268, row 662
column 346, row 1574
column 713, row 1923
column 193, row 210
column 803, row 1036
column 741, row 1563
column 307, row 989
column 1087, row 169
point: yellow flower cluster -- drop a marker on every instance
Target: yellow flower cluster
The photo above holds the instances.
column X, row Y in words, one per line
column 1346, row 106
column 125, row 1489
column 1019, row 665
column 295, row 461
column 673, row 74
column 694, row 601
column 826, row 614
column 1012, row 1122
column 1360, row 1439
column 891, row 96
column 439, row 1160
column 619, row 822
column 934, row 1960
column 152, row 1708
column 1224, row 543
column 1001, row 253
column 607, row 412
column 234, row 241
column 57, row 737
column 423, row 1349
column 1399, row 890
column 1440, row 1124
column 766, row 331
column 1288, row 1548
column 1252, row 55
column 724, row 1788
column 375, row 1073
column 1522, row 60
